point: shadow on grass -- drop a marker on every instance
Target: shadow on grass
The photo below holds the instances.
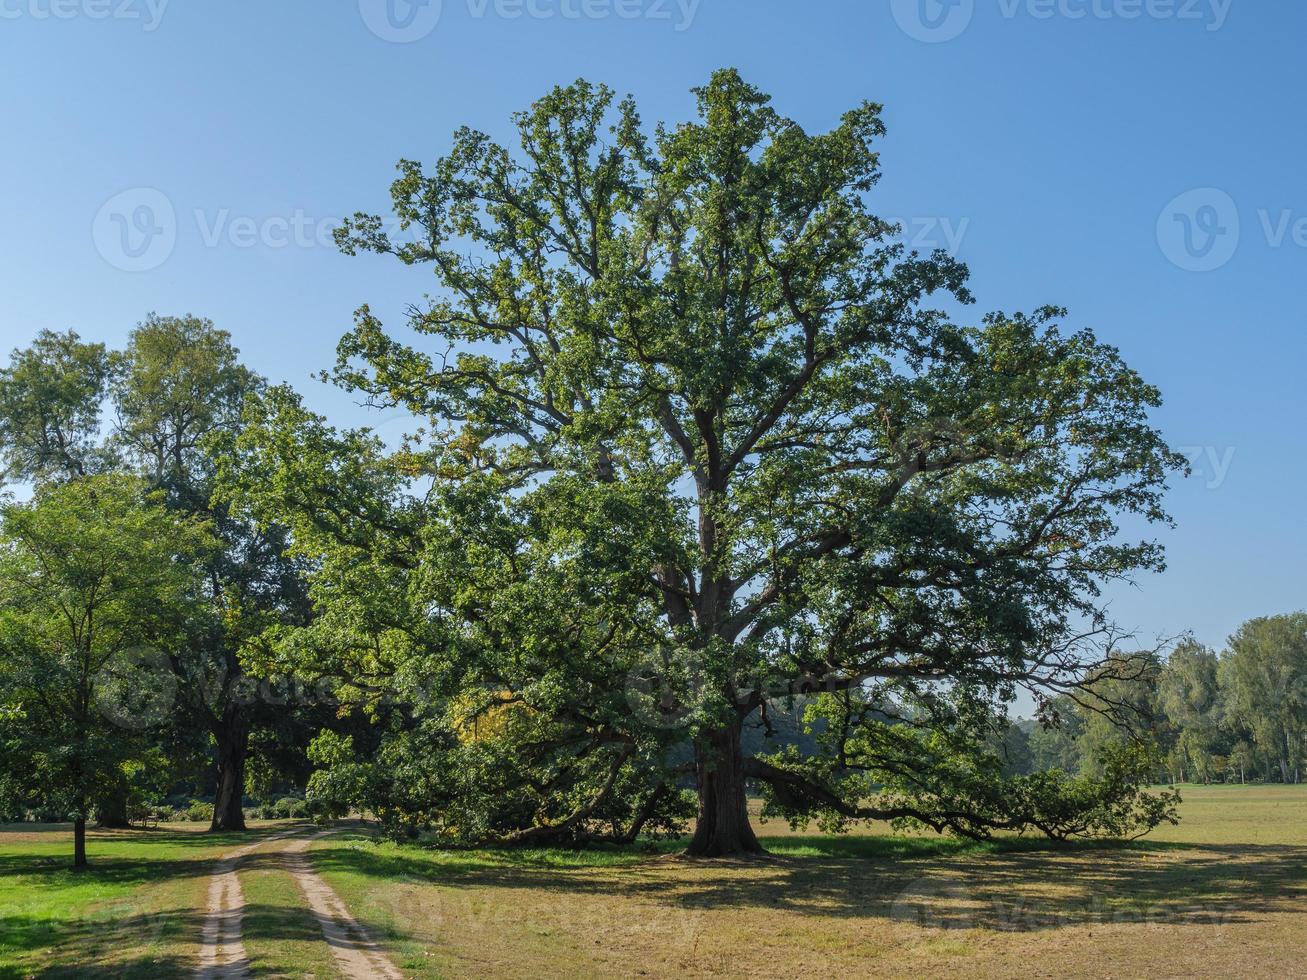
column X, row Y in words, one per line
column 111, row 943
column 195, row 835
column 1021, row 885
column 55, row 921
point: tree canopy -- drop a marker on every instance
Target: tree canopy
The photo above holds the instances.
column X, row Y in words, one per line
column 98, row 582
column 691, row 443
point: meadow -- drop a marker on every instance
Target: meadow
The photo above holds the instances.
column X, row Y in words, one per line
column 1222, row 893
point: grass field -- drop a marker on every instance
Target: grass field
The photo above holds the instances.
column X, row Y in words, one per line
column 1225, row 893
column 136, row 913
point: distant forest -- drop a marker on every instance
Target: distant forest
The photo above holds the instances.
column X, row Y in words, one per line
column 1236, row 716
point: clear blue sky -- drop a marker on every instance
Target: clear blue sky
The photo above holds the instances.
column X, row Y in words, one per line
column 1046, row 139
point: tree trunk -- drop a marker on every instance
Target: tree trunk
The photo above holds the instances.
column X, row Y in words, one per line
column 232, row 735
column 723, row 826
column 111, row 812
column 79, row 842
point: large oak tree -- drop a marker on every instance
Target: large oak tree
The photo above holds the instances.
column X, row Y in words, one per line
column 697, row 445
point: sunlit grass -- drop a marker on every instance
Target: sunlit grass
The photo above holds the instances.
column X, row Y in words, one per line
column 136, row 912
column 1223, row 893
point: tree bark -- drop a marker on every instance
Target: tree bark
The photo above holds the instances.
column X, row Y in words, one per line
column 79, row 842
column 232, row 735
column 723, row 827
column 111, row 812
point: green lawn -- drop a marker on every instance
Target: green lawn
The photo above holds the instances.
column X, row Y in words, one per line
column 136, row 912
column 1225, row 893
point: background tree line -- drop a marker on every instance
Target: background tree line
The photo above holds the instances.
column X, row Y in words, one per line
column 1234, row 716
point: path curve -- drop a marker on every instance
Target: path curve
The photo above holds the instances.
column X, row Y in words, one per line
column 357, row 954
column 222, row 952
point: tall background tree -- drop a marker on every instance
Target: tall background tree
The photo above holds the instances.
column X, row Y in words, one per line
column 176, row 387
column 97, row 585
column 51, row 397
column 1190, row 700
column 699, row 447
column 181, row 386
column 1264, row 676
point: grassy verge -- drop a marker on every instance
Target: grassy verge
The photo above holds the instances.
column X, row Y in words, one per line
column 136, row 912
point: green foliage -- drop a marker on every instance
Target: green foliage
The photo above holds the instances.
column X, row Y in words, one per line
column 289, row 808
column 690, row 442
column 1204, row 716
column 1190, row 698
column 199, row 812
column 50, row 405
column 1264, row 678
column 97, row 583
column 175, row 390
column 180, row 383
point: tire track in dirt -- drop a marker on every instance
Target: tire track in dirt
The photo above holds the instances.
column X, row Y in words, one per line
column 222, row 954
column 357, row 954
column 222, row 950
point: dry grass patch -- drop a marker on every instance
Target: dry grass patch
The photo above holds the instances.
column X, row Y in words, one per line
column 1225, row 893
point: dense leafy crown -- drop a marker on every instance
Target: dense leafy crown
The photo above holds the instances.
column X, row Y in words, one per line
column 695, row 446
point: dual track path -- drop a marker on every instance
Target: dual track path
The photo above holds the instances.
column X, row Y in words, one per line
column 222, row 952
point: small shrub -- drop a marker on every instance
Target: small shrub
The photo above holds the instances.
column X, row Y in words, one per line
column 198, row 812
column 289, row 808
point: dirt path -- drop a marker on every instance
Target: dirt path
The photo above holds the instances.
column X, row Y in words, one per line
column 357, row 955
column 222, row 953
